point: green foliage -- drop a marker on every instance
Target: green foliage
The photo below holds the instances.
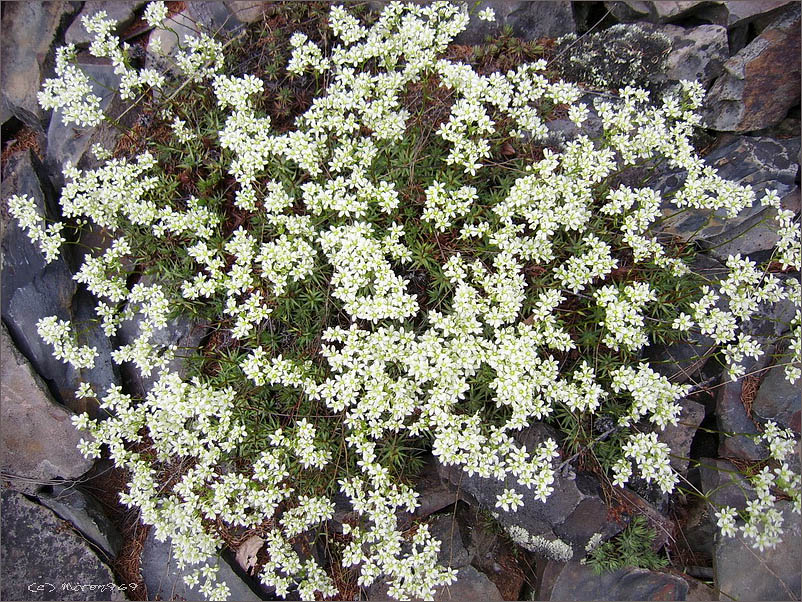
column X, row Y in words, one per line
column 630, row 548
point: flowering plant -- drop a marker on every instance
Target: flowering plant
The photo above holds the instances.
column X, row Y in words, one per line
column 388, row 280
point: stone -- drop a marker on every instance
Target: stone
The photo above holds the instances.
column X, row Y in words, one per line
column 615, row 57
column 165, row 581
column 70, row 143
column 680, row 436
column 576, row 581
column 760, row 162
column 209, row 17
column 445, row 527
column 773, row 574
column 558, row 528
column 738, row 101
column 44, row 559
column 492, row 553
column 70, row 503
column 778, row 400
column 697, row 53
column 729, row 13
column 434, row 494
column 31, row 288
column 723, row 484
column 122, row 11
column 528, row 20
column 470, row 585
column 29, row 29
column 732, row 419
column 179, row 331
column 248, row 11
column 754, row 237
column 39, row 442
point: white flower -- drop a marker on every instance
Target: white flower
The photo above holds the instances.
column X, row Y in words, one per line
column 487, row 14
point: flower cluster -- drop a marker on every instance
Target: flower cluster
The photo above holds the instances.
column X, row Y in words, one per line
column 523, row 266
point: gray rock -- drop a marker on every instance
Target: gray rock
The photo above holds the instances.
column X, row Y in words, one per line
column 762, row 163
column 697, row 53
column 39, row 442
column 248, row 11
column 208, row 17
column 122, row 11
column 755, row 237
column 679, row 437
column 778, row 400
column 575, row 581
column 31, row 288
column 723, row 484
column 738, row 101
column 70, row 503
column 44, row 559
column 528, row 20
column 453, row 553
column 561, row 526
column 165, row 581
column 434, row 494
column 615, row 57
column 69, row 143
column 773, row 574
column 29, row 29
column 729, row 13
column 180, row 331
column 737, row 428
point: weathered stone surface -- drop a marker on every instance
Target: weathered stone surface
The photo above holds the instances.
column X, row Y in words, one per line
column 561, row 526
column 433, row 493
column 247, row 11
column 69, row 143
column 754, row 237
column 738, row 101
column 44, row 559
column 28, row 32
column 577, row 582
column 492, row 553
column 615, row 57
column 528, row 20
column 773, row 574
column 732, row 418
column 70, row 503
column 165, row 581
column 209, row 17
column 697, row 53
column 179, row 331
column 122, row 11
column 762, row 163
column 778, row 400
column 453, row 553
column 679, row 437
column 723, row 484
column 31, row 288
column 729, row 13
column 39, row 442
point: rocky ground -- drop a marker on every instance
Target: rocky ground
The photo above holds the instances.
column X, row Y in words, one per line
column 64, row 537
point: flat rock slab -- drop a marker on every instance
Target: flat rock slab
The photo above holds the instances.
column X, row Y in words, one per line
column 779, row 400
column 738, row 101
column 122, row 11
column 29, row 29
column 760, row 162
column 39, row 442
column 679, row 437
column 165, row 581
column 744, row 573
column 558, row 528
column 528, row 20
column 44, row 559
column 575, row 581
